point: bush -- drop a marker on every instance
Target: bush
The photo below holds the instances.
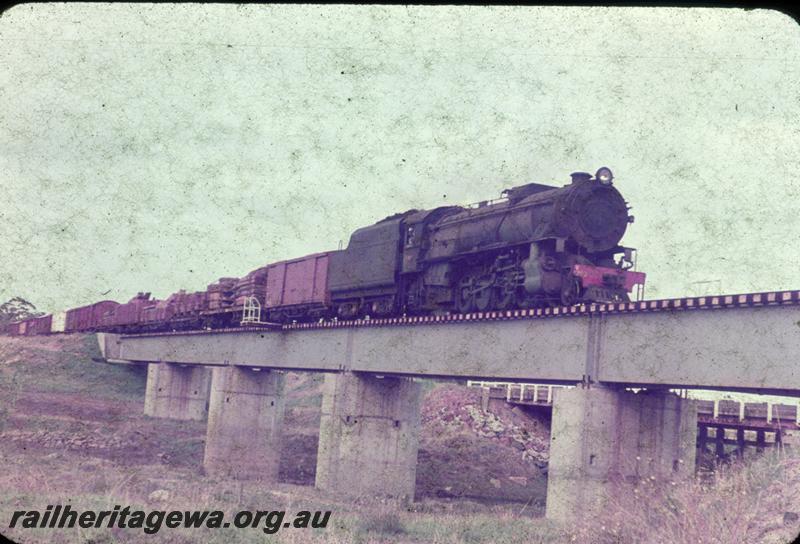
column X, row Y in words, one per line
column 385, row 522
column 744, row 502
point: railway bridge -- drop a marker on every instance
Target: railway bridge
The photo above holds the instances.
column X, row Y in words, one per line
column 602, row 436
column 730, row 421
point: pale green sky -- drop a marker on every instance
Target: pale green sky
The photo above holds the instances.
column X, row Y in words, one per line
column 161, row 147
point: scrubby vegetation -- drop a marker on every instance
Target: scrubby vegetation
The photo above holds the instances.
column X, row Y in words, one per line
column 756, row 501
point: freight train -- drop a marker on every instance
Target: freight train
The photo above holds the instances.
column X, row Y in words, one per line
column 537, row 245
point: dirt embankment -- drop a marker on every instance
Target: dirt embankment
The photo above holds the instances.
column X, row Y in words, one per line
column 57, row 402
column 500, row 453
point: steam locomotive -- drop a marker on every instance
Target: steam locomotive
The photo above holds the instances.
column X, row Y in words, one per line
column 535, row 246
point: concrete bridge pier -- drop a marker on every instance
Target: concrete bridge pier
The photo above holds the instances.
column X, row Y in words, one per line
column 245, row 419
column 177, row 392
column 603, row 439
column 369, row 436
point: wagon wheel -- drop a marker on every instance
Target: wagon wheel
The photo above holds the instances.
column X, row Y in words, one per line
column 483, row 294
column 465, row 299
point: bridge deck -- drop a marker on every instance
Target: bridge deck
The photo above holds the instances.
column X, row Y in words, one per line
column 718, row 345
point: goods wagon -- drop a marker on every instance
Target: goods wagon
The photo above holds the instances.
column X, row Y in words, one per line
column 129, row 313
column 39, row 325
column 160, row 312
column 19, row 328
column 28, row 327
column 16, row 329
column 253, row 284
column 183, row 303
column 88, row 318
column 221, row 294
column 298, row 288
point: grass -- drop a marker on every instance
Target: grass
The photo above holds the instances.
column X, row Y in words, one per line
column 35, row 481
column 344, row 527
column 382, row 522
column 750, row 502
column 109, row 485
column 755, row 501
column 73, row 372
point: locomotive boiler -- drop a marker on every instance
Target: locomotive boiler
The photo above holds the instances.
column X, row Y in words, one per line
column 536, row 245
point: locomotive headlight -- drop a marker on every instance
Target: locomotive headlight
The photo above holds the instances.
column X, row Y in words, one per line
column 604, row 175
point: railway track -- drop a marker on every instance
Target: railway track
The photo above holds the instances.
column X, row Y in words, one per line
column 685, row 304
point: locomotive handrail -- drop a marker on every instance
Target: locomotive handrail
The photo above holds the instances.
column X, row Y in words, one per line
column 484, row 203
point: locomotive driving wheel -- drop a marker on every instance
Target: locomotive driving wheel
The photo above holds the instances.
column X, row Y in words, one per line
column 465, row 297
column 483, row 294
column 570, row 291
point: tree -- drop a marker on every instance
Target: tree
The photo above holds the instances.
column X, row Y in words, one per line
column 17, row 309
